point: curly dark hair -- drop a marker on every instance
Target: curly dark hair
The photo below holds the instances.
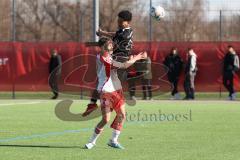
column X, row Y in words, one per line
column 102, row 41
column 125, row 15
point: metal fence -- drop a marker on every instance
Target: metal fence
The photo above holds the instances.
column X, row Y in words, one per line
column 73, row 20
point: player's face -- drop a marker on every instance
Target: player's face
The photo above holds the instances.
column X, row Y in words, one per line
column 109, row 46
column 122, row 23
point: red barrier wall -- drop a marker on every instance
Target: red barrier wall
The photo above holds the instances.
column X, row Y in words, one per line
column 24, row 66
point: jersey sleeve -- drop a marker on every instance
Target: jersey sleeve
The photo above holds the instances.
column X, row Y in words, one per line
column 117, row 64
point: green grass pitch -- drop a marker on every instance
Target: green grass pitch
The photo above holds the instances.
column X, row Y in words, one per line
column 190, row 130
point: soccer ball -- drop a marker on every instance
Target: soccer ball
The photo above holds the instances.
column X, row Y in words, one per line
column 158, row 12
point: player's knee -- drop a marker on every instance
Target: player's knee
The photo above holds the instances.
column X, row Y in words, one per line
column 122, row 116
column 105, row 120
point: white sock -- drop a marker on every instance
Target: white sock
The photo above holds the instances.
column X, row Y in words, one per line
column 115, row 135
column 94, row 138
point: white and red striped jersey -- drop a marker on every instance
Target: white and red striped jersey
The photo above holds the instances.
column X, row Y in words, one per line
column 108, row 80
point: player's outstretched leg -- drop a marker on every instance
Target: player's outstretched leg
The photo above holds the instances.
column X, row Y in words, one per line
column 93, row 104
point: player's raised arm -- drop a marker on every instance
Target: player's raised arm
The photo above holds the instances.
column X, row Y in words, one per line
column 102, row 33
column 131, row 61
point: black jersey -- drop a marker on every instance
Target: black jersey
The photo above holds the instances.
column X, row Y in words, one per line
column 123, row 42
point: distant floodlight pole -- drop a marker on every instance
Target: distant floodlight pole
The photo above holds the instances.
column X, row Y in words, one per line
column 95, row 19
column 220, row 25
column 150, row 27
column 13, row 28
column 13, row 20
column 81, row 21
column 150, row 22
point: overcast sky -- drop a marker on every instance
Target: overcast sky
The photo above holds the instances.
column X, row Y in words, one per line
column 224, row 4
column 213, row 4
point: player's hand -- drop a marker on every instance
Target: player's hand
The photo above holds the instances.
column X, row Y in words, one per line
column 144, row 55
column 131, row 57
column 141, row 55
column 99, row 32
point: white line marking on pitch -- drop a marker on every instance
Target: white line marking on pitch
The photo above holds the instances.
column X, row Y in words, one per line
column 26, row 103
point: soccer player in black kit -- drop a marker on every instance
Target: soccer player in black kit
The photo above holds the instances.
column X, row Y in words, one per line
column 122, row 39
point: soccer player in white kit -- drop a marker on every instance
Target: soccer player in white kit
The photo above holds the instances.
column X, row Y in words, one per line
column 111, row 94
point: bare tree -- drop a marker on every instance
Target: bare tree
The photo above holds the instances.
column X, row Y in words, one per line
column 52, row 20
column 67, row 17
column 30, row 18
column 5, row 20
column 184, row 22
column 65, row 20
column 230, row 26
